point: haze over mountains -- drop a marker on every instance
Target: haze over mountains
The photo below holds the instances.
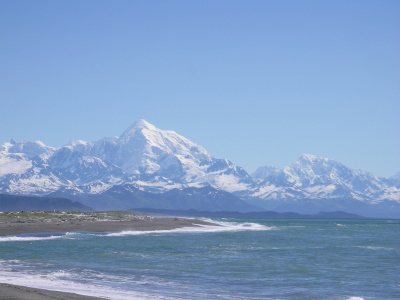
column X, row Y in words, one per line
column 153, row 168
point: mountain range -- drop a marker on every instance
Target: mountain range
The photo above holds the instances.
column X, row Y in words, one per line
column 153, row 168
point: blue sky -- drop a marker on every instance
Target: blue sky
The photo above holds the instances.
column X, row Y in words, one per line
column 257, row 82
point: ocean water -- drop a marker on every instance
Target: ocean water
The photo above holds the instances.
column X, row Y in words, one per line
column 236, row 259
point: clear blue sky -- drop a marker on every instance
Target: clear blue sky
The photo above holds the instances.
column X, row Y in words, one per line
column 257, row 82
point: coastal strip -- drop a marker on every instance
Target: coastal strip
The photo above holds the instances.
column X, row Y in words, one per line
column 15, row 292
column 20, row 223
column 16, row 223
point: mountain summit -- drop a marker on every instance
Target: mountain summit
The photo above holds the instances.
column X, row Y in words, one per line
column 139, row 125
column 145, row 149
column 317, row 177
column 314, row 183
column 153, row 160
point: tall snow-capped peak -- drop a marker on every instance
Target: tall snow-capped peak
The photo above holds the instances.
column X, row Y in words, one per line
column 139, row 125
column 157, row 160
column 309, row 158
column 144, row 149
column 166, row 140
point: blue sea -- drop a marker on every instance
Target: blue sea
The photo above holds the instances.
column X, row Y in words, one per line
column 235, row 259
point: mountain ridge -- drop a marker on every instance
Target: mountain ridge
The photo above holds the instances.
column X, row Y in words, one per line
column 158, row 161
column 13, row 203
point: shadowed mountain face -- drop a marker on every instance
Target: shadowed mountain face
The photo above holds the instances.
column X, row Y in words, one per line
column 160, row 161
column 31, row 203
column 127, row 196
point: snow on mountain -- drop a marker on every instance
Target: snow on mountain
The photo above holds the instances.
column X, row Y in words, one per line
column 152, row 158
column 14, row 165
column 155, row 160
column 314, row 177
column 23, row 169
column 29, row 149
column 265, row 172
column 143, row 148
column 16, row 158
column 32, row 168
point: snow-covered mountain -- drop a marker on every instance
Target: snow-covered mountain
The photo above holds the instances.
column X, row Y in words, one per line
column 155, row 160
column 163, row 159
column 316, row 177
column 315, row 180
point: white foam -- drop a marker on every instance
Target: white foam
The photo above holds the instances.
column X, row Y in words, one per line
column 58, row 281
column 375, row 248
column 355, row 298
column 218, row 227
column 27, row 238
column 41, row 236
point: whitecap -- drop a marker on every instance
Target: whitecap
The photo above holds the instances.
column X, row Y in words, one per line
column 59, row 281
column 28, row 238
column 374, row 248
column 218, row 226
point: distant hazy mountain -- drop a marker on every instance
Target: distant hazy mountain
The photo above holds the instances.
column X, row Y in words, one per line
column 30, row 203
column 250, row 215
column 149, row 159
column 127, row 196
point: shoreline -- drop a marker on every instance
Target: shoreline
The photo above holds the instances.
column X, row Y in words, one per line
column 14, row 292
column 26, row 223
column 12, row 224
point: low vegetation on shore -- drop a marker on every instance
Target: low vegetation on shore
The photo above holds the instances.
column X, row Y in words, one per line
column 69, row 216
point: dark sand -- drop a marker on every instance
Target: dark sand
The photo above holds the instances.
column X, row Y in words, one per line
column 14, row 292
column 39, row 222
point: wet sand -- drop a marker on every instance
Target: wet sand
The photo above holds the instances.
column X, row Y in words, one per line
column 14, row 292
column 39, row 222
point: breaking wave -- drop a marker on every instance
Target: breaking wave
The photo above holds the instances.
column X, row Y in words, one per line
column 216, row 226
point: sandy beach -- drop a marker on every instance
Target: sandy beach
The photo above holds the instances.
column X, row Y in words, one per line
column 17, row 223
column 38, row 222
